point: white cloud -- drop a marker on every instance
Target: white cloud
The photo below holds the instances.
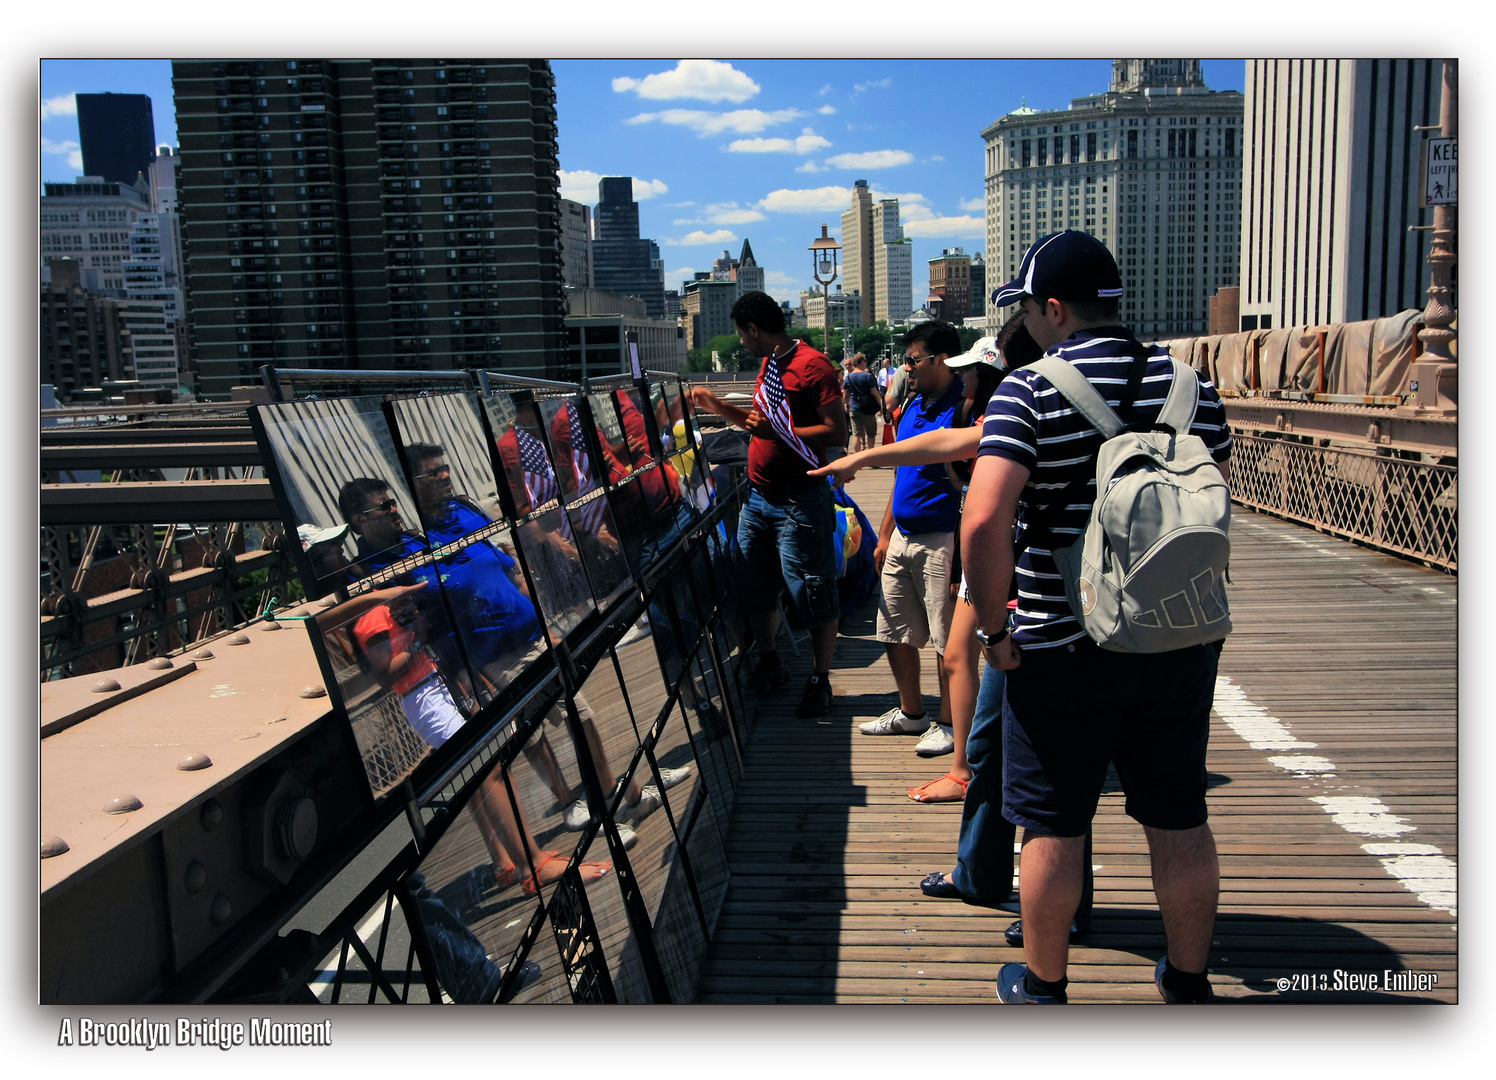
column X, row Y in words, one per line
column 811, row 166
column 580, row 186
column 722, row 214
column 703, row 80
column 808, row 142
column 827, row 110
column 872, row 159
column 881, row 84
column 66, row 105
column 973, row 205
column 963, row 228
column 906, row 198
column 936, row 157
column 806, row 200
column 823, row 91
column 721, row 236
column 738, row 121
column 69, row 147
column 680, row 273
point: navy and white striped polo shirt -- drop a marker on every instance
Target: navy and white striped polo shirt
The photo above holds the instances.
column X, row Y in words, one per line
column 1028, row 421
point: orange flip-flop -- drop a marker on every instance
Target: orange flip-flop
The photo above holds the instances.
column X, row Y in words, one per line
column 914, row 792
column 529, row 884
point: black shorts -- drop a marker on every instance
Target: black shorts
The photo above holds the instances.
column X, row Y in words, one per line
column 1069, row 710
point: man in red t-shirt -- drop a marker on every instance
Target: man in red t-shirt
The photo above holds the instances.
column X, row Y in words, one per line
column 787, row 527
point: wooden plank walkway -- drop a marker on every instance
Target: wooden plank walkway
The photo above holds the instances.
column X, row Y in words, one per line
column 1332, row 763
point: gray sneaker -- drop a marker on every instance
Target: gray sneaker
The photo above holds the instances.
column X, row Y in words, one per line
column 895, row 722
column 940, row 739
column 670, row 777
column 650, row 800
column 577, row 816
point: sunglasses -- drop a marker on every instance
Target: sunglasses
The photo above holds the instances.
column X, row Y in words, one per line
column 380, row 508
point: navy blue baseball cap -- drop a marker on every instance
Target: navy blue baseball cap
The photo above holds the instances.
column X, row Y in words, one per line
column 1069, row 265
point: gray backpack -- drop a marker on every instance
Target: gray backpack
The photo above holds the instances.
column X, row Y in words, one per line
column 1148, row 574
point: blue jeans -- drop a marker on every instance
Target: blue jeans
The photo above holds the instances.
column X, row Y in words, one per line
column 984, row 854
column 790, row 539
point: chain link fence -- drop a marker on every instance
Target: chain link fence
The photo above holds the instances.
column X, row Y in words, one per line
column 1406, row 507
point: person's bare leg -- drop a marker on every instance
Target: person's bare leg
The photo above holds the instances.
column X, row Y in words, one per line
column 542, row 758
column 823, row 644
column 765, row 629
column 943, row 681
column 903, row 661
column 960, row 688
column 1187, row 882
column 1050, row 876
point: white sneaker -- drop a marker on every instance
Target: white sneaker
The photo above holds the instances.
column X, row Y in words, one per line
column 650, row 800
column 940, row 739
column 670, row 777
column 894, row 722
column 627, row 834
column 577, row 816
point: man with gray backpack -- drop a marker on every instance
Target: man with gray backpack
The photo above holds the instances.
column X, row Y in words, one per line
column 1101, row 486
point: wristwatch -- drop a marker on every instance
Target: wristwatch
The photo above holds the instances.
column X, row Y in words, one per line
column 989, row 640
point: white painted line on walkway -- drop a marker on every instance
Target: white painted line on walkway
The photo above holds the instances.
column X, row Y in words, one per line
column 1422, row 869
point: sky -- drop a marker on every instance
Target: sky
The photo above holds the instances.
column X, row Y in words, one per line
column 763, row 150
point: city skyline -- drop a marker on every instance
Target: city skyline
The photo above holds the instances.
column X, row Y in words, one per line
column 721, row 152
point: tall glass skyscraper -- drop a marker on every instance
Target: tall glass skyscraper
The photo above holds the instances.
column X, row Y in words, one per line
column 118, row 135
column 621, row 261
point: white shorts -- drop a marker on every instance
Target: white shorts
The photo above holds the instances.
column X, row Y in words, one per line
column 431, row 712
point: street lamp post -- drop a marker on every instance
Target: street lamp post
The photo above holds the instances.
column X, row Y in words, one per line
column 823, row 266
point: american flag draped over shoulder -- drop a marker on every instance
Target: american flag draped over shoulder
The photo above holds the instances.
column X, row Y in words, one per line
column 540, row 480
column 589, row 515
column 772, row 404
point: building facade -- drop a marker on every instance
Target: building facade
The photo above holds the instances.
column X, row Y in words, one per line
column 118, row 135
column 750, row 276
column 857, row 247
column 1152, row 168
column 977, row 312
column 369, row 214
column 576, row 244
column 846, row 308
column 90, row 222
column 893, row 265
column 1331, row 175
column 622, row 262
column 950, row 281
column 84, row 340
column 707, row 310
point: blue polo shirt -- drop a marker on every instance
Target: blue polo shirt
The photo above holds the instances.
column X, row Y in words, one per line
column 923, row 499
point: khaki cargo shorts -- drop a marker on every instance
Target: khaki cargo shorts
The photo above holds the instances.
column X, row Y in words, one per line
column 916, row 604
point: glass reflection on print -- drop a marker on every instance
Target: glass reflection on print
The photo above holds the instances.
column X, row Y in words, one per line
column 641, row 668
column 445, row 450
column 607, row 725
column 395, row 667
column 550, row 549
column 620, row 947
column 594, row 530
column 313, row 449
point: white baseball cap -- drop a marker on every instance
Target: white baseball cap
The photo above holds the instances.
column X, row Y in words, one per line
column 983, row 351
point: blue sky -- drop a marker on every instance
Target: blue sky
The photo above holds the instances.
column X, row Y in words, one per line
column 765, row 150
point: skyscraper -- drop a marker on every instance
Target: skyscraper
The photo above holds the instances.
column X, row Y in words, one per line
column 621, row 261
column 857, row 249
column 89, row 222
column 893, row 264
column 1331, row 187
column 370, row 213
column 118, row 135
column 1152, row 168
column 576, row 244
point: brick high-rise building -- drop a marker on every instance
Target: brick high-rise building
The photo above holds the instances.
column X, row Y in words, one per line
column 950, row 279
column 118, row 135
column 370, row 214
column 576, row 244
column 90, row 222
column 1152, row 168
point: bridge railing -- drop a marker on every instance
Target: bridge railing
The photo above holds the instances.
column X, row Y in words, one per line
column 1409, row 507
